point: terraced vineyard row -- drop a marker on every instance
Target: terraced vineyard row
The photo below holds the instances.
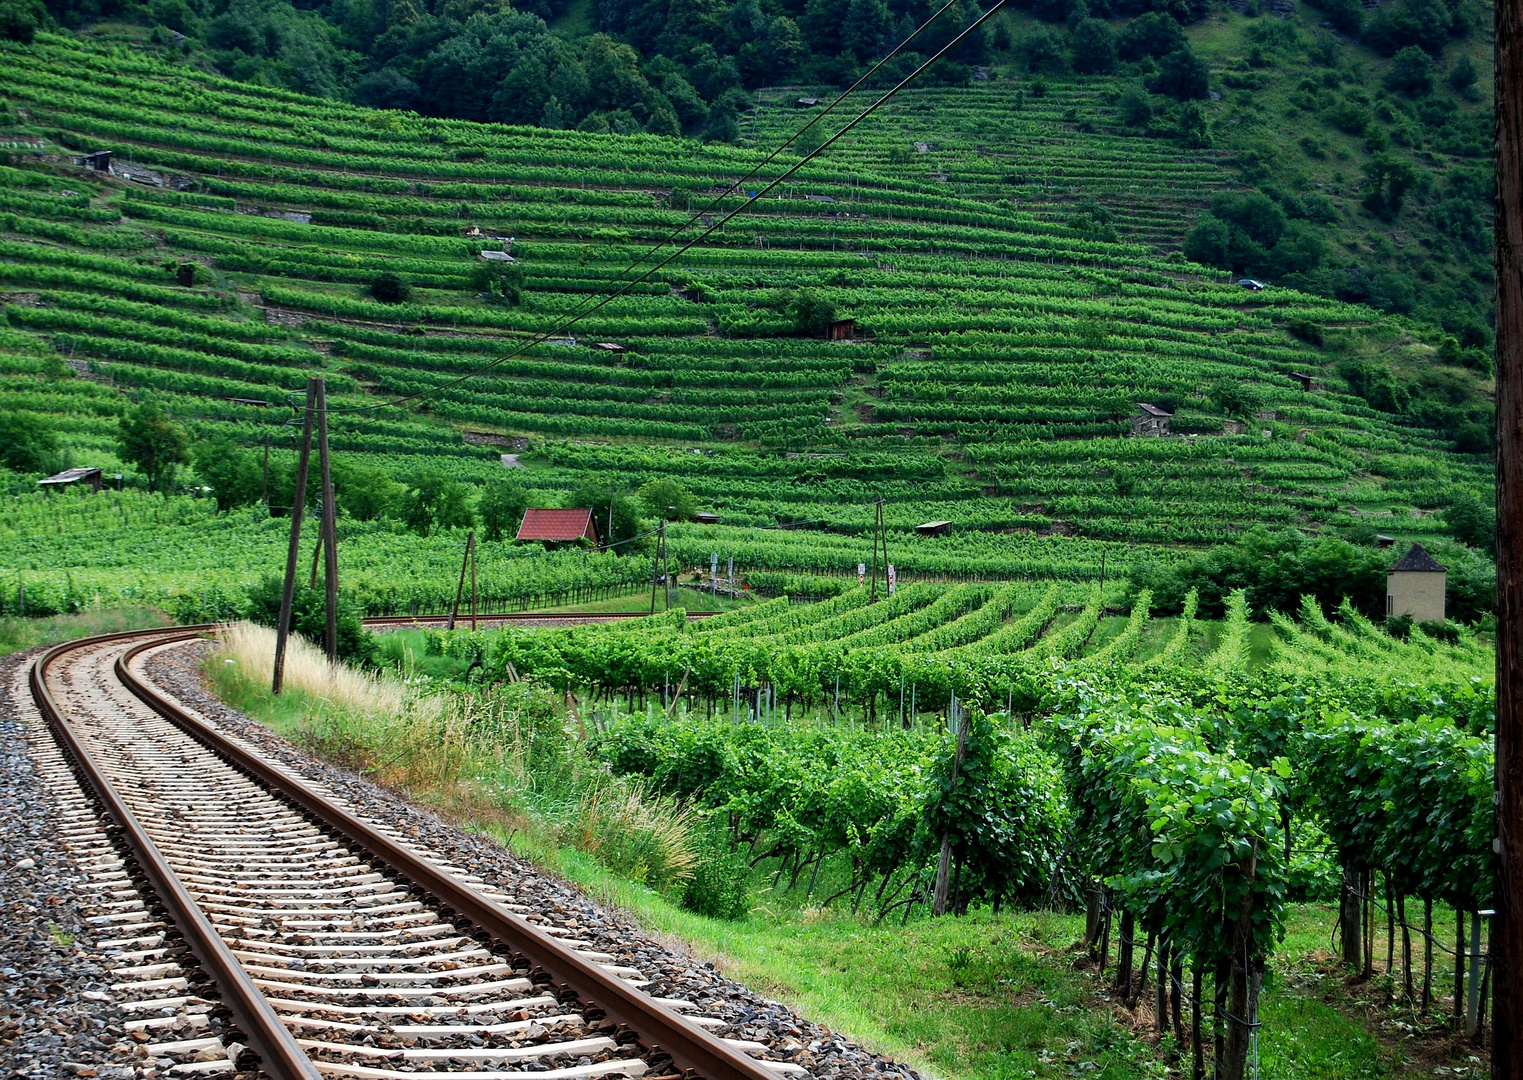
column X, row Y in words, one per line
column 999, row 347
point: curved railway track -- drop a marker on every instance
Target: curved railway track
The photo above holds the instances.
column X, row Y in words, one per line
column 321, row 942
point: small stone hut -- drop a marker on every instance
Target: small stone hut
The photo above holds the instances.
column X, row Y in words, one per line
column 1415, row 586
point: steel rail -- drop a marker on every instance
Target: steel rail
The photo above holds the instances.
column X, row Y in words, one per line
column 281, row 1057
column 659, row 1030
column 590, row 617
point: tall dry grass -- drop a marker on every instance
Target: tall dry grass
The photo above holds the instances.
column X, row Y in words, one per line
column 506, row 756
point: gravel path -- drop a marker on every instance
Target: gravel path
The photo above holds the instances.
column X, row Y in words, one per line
column 674, row 974
column 58, row 1015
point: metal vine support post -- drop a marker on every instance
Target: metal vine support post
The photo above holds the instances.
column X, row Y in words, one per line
column 1507, row 930
column 298, row 503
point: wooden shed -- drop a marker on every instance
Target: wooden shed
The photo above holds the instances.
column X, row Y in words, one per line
column 807, row 102
column 609, row 346
column 1150, row 420
column 704, row 517
column 842, row 330
column 70, row 477
column 99, row 160
column 552, row 527
column 1307, row 382
column 933, row 528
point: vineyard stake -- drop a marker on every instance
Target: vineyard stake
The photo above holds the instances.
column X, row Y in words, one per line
column 329, row 528
column 944, row 862
column 293, row 552
column 1507, row 932
column 473, row 580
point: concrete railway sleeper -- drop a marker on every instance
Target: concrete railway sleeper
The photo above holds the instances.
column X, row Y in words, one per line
column 338, row 947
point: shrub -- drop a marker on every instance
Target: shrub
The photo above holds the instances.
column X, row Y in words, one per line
column 810, row 313
column 388, row 288
column 719, row 886
column 26, row 443
column 309, row 617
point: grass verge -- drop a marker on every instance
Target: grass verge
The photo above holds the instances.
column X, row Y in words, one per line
column 17, row 632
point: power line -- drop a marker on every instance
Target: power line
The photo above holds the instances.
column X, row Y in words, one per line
column 575, row 317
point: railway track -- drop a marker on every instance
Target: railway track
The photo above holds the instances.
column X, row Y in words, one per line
column 260, row 921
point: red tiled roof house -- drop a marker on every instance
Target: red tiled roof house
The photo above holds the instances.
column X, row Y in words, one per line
column 558, row 527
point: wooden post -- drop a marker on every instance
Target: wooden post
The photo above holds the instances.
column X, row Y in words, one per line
column 317, row 553
column 472, row 546
column 329, row 528
column 465, row 561
column 293, row 552
column 944, row 863
column 264, row 490
column 1507, row 931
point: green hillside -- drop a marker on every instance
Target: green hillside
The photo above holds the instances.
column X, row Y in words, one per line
column 1009, row 270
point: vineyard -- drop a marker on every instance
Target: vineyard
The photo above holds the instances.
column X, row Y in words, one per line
column 999, row 344
column 1184, row 782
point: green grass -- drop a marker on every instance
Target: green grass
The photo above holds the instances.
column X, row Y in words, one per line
column 17, row 633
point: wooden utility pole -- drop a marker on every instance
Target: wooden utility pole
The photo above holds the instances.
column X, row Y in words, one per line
column 1507, row 928
column 658, row 567
column 329, row 528
column 293, row 552
column 465, row 561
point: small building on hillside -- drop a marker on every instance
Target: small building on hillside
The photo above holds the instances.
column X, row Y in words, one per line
column 1415, row 586
column 1150, row 420
column 70, row 477
column 99, row 161
column 552, row 527
column 842, row 330
column 705, row 517
column 610, row 346
column 933, row 528
column 807, row 102
column 1307, row 382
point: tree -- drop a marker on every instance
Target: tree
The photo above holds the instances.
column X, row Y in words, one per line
column 434, row 502
column 625, row 511
column 1044, row 52
column 1235, row 397
column 363, row 492
column 153, row 443
column 1135, row 108
column 26, row 443
column 1472, row 522
column 810, row 313
column 1346, row 16
column 1154, row 34
column 235, row 476
column 498, row 281
column 867, row 25
column 1411, row 72
column 388, row 288
column 21, row 19
column 1209, row 242
column 669, row 499
column 501, row 509
column 1386, row 183
column 1463, row 76
column 1183, row 76
column 1094, row 48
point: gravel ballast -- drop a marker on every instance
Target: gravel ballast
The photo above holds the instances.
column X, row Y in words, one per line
column 58, row 1014
column 176, row 672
